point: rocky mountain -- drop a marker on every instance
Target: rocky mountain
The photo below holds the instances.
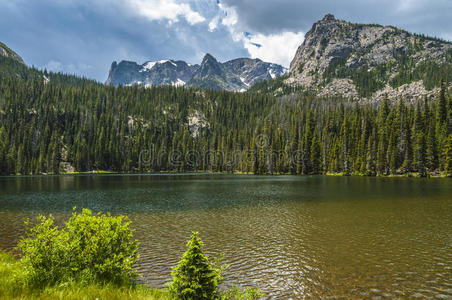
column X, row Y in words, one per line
column 235, row 75
column 369, row 61
column 163, row 72
column 7, row 52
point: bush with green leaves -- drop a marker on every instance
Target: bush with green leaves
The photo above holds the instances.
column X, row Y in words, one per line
column 195, row 277
column 238, row 294
column 89, row 248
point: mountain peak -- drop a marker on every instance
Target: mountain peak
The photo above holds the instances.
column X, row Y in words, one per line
column 336, row 54
column 328, row 17
column 208, row 58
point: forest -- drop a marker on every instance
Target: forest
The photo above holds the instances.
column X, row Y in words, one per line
column 54, row 123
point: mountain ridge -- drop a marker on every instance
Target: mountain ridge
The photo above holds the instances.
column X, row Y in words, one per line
column 235, row 75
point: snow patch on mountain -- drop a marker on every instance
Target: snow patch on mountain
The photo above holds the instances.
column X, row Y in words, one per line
column 178, row 82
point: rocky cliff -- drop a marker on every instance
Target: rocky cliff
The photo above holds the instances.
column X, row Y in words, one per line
column 369, row 61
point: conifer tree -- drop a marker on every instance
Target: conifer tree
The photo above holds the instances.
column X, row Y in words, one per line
column 448, row 156
column 195, row 278
column 316, row 160
column 3, row 151
column 441, row 114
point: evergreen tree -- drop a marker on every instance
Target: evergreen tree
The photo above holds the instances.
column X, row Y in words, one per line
column 441, row 114
column 195, row 277
column 316, row 160
column 92, row 126
column 448, row 156
column 3, row 151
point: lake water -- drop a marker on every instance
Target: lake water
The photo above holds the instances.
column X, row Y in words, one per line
column 291, row 236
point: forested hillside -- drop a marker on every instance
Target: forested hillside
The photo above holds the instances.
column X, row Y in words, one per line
column 66, row 124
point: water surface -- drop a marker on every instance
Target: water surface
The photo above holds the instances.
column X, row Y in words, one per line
column 291, row 236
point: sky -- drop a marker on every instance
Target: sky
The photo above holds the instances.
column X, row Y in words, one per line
column 84, row 37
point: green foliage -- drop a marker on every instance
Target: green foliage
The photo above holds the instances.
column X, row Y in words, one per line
column 45, row 127
column 428, row 71
column 448, row 156
column 366, row 80
column 247, row 294
column 12, row 272
column 276, row 87
column 195, row 277
column 89, row 248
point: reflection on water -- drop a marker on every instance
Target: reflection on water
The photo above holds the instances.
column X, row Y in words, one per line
column 291, row 236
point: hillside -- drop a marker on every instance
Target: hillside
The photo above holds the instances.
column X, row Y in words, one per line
column 368, row 61
column 12, row 65
column 57, row 123
column 5, row 51
column 60, row 128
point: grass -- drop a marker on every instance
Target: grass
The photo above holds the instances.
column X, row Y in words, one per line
column 13, row 287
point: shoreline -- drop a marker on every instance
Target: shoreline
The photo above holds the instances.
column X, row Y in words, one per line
column 338, row 174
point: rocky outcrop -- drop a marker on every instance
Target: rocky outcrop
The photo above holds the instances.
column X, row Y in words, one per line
column 367, row 61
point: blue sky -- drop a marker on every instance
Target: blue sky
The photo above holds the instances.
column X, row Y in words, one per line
column 83, row 37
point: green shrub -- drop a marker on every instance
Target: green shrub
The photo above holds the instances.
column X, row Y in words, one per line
column 195, row 277
column 247, row 294
column 89, row 248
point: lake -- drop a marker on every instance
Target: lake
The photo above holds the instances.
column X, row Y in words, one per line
column 291, row 236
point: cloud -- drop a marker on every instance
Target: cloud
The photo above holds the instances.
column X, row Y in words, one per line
column 165, row 9
column 213, row 24
column 275, row 48
column 270, row 17
column 85, row 36
column 56, row 66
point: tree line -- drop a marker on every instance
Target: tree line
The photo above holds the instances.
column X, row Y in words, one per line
column 71, row 124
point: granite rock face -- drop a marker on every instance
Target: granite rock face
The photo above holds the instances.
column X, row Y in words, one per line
column 334, row 50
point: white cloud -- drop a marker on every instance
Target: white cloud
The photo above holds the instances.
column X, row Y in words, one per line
column 56, row 66
column 230, row 20
column 275, row 48
column 165, row 9
column 214, row 23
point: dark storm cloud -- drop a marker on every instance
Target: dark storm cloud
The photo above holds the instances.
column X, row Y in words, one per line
column 432, row 17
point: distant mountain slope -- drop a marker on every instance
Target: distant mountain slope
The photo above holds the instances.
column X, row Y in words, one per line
column 7, row 52
column 235, row 75
column 369, row 61
column 12, row 65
